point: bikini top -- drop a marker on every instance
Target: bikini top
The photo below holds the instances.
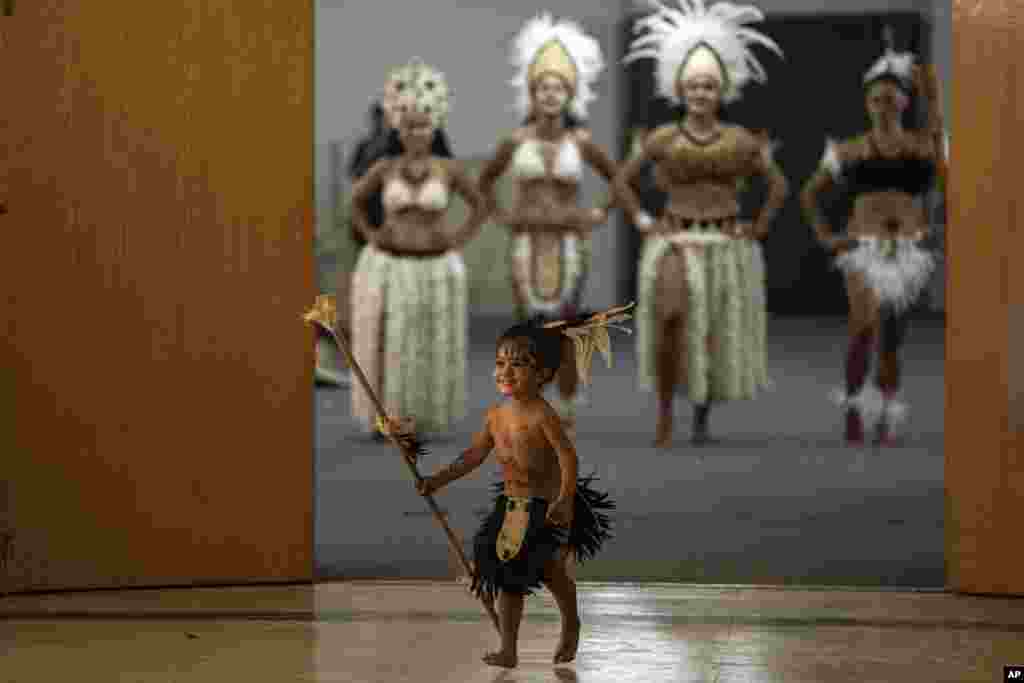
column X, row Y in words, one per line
column 529, row 161
column 681, row 159
column 398, row 194
column 912, row 173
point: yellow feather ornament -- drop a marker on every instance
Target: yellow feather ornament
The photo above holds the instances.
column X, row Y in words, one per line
column 592, row 334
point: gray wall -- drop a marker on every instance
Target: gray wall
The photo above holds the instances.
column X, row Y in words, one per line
column 358, row 40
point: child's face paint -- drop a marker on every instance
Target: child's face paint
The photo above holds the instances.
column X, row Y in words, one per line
column 515, row 371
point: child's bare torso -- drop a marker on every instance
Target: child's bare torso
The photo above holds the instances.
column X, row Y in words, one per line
column 529, row 464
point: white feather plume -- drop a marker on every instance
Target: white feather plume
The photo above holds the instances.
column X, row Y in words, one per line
column 873, row 405
column 899, row 65
column 671, row 34
column 584, row 50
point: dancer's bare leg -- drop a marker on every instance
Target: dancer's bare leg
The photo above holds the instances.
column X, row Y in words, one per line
column 667, row 364
column 863, row 326
column 568, row 377
column 893, row 334
column 343, row 303
column 568, row 382
column 671, row 303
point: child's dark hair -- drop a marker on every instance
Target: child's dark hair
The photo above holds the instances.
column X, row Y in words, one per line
column 542, row 343
column 546, row 344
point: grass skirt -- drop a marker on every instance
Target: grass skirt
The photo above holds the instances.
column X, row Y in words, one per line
column 725, row 340
column 409, row 336
column 591, row 529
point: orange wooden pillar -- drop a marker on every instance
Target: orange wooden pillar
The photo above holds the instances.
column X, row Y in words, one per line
column 156, row 425
column 984, row 470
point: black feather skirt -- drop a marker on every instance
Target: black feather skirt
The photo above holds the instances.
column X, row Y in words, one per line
column 592, row 525
column 591, row 529
column 523, row 574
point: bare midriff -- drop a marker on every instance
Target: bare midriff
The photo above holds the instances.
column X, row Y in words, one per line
column 887, row 213
column 415, row 230
column 546, row 204
column 703, row 201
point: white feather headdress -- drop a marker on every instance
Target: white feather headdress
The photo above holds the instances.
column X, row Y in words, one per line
column 893, row 64
column 419, row 86
column 567, row 51
column 674, row 34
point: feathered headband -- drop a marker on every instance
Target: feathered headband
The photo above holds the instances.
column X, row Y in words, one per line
column 898, row 66
column 590, row 333
column 546, row 46
column 420, row 87
column 674, row 36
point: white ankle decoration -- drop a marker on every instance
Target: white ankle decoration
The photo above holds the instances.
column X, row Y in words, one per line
column 895, row 412
column 869, row 402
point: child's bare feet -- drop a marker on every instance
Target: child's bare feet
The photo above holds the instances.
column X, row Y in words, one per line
column 502, row 659
column 568, row 644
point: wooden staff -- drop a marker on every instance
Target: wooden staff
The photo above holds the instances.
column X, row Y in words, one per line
column 610, row 315
column 409, row 456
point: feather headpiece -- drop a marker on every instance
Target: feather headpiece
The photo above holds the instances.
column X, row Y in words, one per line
column 674, row 36
column 898, row 66
column 546, row 46
column 419, row 87
column 590, row 333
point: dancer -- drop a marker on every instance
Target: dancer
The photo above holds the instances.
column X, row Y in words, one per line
column 557, row 65
column 379, row 142
column 409, row 290
column 546, row 517
column 701, row 313
column 888, row 169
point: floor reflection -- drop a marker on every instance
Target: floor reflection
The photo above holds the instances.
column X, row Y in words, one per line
column 435, row 633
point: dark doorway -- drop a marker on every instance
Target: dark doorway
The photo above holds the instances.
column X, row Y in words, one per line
column 813, row 94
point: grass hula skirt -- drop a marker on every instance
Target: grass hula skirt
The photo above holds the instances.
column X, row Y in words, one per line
column 524, row 574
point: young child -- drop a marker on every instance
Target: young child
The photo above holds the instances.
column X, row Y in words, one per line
column 545, row 516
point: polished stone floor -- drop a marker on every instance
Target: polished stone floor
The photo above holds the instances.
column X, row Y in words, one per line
column 402, row 631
